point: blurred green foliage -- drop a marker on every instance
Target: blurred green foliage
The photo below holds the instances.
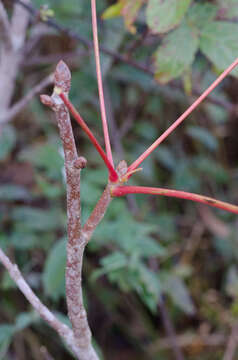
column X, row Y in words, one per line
column 146, row 247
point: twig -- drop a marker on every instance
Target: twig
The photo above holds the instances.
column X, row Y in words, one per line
column 187, row 340
column 64, row 331
column 167, row 322
column 5, row 28
column 11, row 58
column 45, row 353
column 69, row 56
column 170, row 330
column 97, row 214
column 21, row 104
column 215, row 225
column 232, row 344
column 77, row 237
column 76, row 240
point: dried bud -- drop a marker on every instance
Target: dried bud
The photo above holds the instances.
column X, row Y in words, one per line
column 62, row 77
column 46, row 100
column 80, row 163
column 122, row 168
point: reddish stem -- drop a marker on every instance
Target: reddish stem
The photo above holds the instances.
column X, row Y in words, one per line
column 113, row 177
column 124, row 190
column 99, row 80
column 142, row 157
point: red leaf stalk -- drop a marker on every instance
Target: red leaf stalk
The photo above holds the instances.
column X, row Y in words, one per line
column 99, row 80
column 113, row 177
column 142, row 157
column 124, row 190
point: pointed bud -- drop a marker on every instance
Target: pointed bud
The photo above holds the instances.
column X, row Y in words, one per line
column 62, row 77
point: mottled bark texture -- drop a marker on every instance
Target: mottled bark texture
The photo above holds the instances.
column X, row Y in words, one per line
column 77, row 237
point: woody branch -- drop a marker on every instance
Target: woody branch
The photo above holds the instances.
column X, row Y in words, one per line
column 77, row 237
column 64, row 331
column 76, row 242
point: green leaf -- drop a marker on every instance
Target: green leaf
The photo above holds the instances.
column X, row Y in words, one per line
column 130, row 12
column 126, row 8
column 130, row 236
column 164, row 15
column 54, row 271
column 232, row 282
column 7, row 141
column 176, row 54
column 24, row 239
column 46, row 157
column 211, row 168
column 148, row 286
column 38, row 219
column 6, row 333
column 112, row 40
column 175, row 287
column 49, row 189
column 7, row 282
column 13, row 193
column 113, row 10
column 219, row 43
column 114, row 261
column 184, row 177
column 166, row 157
column 201, row 14
column 110, row 264
column 202, row 135
column 25, row 319
column 228, row 8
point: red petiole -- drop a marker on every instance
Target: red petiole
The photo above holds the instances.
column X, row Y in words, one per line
column 118, row 190
column 124, row 190
column 143, row 156
column 113, row 177
column 99, row 80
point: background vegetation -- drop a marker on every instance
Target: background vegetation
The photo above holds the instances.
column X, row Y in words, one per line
column 150, row 257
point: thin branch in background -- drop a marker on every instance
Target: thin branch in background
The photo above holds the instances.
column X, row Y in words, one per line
column 230, row 353
column 45, row 353
column 168, row 325
column 214, row 224
column 99, row 80
column 63, row 330
column 11, row 58
column 137, row 42
column 5, row 28
column 70, row 57
column 189, row 340
column 167, row 322
column 118, row 57
column 21, row 104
